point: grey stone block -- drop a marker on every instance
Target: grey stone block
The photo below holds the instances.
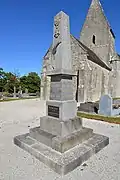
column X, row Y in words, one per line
column 62, row 163
column 67, row 109
column 97, row 143
column 62, row 53
column 61, row 87
column 63, row 144
column 25, row 138
column 61, row 128
column 59, row 143
column 41, row 136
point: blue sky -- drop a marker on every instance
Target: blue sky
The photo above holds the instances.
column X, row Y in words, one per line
column 26, row 29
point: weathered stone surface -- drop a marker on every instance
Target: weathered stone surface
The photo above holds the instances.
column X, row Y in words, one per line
column 60, row 143
column 63, row 144
column 105, row 105
column 61, row 88
column 67, row 109
column 63, row 163
column 56, row 127
column 61, row 129
column 41, row 136
column 61, row 48
column 90, row 107
column 94, row 80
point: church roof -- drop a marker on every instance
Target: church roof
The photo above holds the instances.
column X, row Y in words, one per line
column 95, row 4
column 92, row 56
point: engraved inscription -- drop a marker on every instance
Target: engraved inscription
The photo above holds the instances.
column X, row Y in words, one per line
column 53, row 111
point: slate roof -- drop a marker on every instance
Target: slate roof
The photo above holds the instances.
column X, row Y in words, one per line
column 92, row 56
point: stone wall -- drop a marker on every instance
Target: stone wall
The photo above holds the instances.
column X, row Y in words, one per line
column 93, row 79
column 45, row 80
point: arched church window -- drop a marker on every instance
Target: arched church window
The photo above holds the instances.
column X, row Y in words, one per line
column 93, row 39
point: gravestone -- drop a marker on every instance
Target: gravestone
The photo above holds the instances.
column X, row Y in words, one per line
column 105, row 105
column 26, row 91
column 60, row 141
column 20, row 95
column 26, row 94
column 14, row 94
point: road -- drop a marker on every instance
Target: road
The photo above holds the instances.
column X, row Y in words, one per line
column 18, row 117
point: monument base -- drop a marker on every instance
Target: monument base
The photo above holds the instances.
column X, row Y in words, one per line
column 62, row 154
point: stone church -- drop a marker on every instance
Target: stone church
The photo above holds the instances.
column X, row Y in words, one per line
column 94, row 59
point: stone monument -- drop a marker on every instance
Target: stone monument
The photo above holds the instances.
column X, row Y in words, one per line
column 105, row 105
column 26, row 91
column 61, row 142
column 26, row 94
column 20, row 92
column 14, row 94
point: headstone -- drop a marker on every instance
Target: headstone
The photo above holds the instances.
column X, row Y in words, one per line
column 1, row 95
column 14, row 94
column 58, row 142
column 20, row 92
column 26, row 94
column 26, row 91
column 105, row 105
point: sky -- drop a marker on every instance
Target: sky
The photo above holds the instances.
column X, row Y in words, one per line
column 26, row 28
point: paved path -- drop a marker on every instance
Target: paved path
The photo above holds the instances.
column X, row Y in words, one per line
column 15, row 164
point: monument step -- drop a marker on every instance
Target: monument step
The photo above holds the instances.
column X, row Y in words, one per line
column 58, row 127
column 59, row 143
column 62, row 163
column 63, row 144
column 41, row 136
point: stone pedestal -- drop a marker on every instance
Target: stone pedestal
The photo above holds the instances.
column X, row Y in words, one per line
column 61, row 142
column 62, row 154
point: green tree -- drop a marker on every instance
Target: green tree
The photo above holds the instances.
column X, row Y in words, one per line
column 1, row 72
column 11, row 82
column 24, row 83
column 31, row 82
column 2, row 80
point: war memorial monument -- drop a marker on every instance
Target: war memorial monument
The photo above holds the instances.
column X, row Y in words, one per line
column 61, row 142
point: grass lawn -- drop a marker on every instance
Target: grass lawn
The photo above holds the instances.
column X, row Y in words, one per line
column 115, row 120
column 17, row 99
column 116, row 98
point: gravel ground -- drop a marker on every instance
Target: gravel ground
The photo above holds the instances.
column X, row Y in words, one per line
column 15, row 164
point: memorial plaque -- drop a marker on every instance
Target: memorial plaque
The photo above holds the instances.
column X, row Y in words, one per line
column 53, row 111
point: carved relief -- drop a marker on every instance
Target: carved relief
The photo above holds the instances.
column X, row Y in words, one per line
column 57, row 32
column 55, row 48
